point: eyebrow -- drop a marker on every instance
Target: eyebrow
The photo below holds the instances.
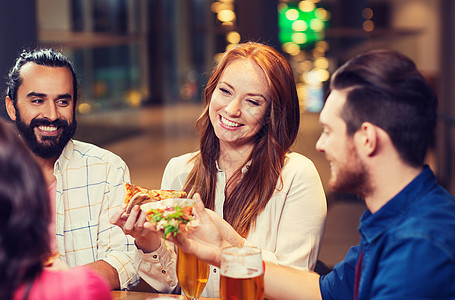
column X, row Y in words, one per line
column 61, row 96
column 323, row 123
column 249, row 94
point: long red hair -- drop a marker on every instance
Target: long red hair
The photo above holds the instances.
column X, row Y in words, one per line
column 246, row 195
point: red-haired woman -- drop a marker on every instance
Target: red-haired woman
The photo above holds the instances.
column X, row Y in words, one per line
column 245, row 170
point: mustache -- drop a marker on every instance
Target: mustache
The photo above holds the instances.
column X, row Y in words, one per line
column 45, row 122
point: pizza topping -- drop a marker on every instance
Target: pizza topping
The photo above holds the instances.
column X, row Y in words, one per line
column 132, row 190
column 167, row 215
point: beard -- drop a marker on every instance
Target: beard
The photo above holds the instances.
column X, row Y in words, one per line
column 352, row 177
column 49, row 146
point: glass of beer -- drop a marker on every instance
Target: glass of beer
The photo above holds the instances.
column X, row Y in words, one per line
column 242, row 273
column 192, row 274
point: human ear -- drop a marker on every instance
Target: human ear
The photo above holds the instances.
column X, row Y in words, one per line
column 367, row 138
column 10, row 109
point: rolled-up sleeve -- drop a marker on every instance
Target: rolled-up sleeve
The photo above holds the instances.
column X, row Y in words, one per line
column 158, row 269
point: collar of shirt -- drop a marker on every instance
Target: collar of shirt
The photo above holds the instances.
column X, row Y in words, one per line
column 373, row 225
column 244, row 168
column 65, row 157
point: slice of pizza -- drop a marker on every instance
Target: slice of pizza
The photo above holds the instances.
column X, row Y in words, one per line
column 168, row 214
column 136, row 195
column 48, row 261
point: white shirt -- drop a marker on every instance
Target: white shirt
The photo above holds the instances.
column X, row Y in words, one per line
column 89, row 189
column 289, row 230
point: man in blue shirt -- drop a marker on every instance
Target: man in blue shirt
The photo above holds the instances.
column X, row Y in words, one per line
column 378, row 122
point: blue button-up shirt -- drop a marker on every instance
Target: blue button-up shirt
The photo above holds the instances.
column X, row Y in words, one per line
column 408, row 246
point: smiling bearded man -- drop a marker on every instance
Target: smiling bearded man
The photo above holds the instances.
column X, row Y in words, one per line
column 84, row 182
column 48, row 146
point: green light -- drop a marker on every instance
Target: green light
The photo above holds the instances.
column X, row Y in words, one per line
column 301, row 27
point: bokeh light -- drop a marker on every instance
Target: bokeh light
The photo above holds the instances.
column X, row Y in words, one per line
column 299, row 25
column 368, row 25
column 226, row 15
column 84, row 108
column 367, row 13
column 233, row 37
column 292, row 14
column 306, row 6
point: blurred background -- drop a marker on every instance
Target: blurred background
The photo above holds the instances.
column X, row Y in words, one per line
column 143, row 64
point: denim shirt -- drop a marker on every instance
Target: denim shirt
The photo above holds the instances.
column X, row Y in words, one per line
column 408, row 248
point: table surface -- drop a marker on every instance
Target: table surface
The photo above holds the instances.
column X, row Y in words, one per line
column 129, row 295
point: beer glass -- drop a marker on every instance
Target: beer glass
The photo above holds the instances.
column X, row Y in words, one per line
column 192, row 274
column 242, row 274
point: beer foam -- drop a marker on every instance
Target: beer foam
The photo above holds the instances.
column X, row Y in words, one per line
column 240, row 272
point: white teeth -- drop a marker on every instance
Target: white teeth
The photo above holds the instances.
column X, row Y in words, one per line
column 229, row 123
column 47, row 128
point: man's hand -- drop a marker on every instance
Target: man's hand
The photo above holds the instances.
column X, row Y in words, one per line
column 133, row 224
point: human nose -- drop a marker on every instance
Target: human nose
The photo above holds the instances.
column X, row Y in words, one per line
column 320, row 144
column 233, row 107
column 51, row 111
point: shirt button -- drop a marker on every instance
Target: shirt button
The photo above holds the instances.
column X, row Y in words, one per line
column 155, row 256
column 214, row 270
column 163, row 271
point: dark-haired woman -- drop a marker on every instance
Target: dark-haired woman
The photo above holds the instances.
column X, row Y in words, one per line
column 24, row 236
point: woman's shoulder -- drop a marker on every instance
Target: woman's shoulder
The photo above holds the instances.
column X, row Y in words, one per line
column 297, row 166
column 296, row 160
column 177, row 170
column 182, row 160
column 185, row 157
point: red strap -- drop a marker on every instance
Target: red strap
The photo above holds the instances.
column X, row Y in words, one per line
column 358, row 272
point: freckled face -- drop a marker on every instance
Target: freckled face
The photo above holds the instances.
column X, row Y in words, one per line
column 239, row 103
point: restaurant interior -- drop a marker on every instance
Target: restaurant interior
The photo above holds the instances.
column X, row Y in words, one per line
column 143, row 64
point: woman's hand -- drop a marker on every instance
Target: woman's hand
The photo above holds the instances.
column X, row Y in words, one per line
column 206, row 236
column 228, row 233
column 146, row 238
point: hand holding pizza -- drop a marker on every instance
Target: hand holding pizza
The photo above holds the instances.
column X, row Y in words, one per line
column 133, row 224
column 131, row 219
column 205, row 237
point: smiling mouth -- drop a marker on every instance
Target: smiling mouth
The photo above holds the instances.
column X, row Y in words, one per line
column 229, row 123
column 48, row 130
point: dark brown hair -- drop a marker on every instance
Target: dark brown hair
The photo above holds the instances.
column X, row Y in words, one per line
column 24, row 214
column 386, row 89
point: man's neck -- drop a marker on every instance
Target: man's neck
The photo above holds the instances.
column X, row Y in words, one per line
column 47, row 167
column 388, row 181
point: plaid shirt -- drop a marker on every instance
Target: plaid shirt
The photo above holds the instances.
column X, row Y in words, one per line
column 89, row 189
